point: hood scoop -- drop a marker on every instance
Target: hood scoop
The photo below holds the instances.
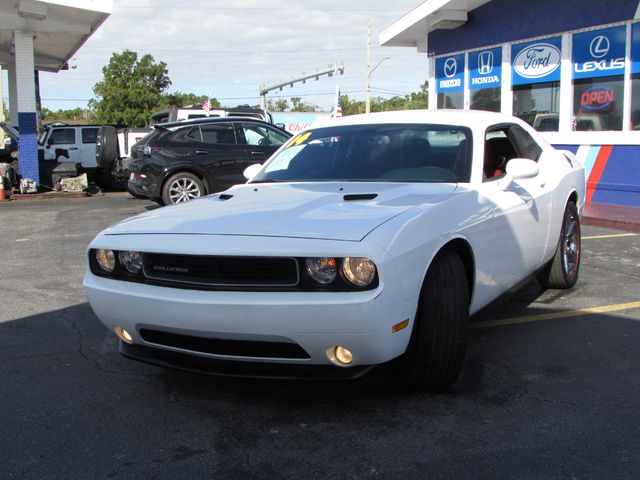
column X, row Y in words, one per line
column 359, row 196
column 225, row 196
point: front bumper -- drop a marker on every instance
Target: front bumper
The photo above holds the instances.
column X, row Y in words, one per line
column 231, row 368
column 312, row 321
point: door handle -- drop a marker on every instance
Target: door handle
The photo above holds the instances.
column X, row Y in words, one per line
column 257, row 153
column 72, row 148
column 201, row 152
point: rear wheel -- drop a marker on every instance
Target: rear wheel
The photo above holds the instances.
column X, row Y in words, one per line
column 562, row 270
column 436, row 352
column 182, row 187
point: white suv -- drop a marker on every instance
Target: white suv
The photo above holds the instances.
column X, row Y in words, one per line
column 70, row 143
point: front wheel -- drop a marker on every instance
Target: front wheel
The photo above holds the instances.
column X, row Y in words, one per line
column 436, row 351
column 182, row 187
column 562, row 270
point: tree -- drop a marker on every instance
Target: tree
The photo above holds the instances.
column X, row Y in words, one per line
column 297, row 105
column 280, row 105
column 131, row 90
column 181, row 99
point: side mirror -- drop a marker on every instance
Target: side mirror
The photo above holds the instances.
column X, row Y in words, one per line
column 251, row 171
column 517, row 169
column 281, row 126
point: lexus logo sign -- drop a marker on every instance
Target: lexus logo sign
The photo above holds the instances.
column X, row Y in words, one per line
column 599, row 46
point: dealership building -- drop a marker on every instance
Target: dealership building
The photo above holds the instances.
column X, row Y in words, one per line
column 569, row 68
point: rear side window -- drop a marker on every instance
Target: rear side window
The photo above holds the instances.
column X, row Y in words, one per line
column 218, row 134
column 89, row 135
column 62, row 136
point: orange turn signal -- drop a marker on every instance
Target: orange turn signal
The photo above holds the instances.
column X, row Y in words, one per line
column 400, row 326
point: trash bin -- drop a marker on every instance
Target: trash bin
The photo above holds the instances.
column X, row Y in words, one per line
column 63, row 170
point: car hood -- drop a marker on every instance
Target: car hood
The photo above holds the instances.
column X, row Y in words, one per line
column 9, row 130
column 331, row 211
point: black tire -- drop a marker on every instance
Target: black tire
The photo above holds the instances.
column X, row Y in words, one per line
column 562, row 271
column 436, row 351
column 106, row 147
column 182, row 187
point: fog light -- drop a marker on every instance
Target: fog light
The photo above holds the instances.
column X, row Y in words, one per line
column 123, row 334
column 339, row 355
column 343, row 355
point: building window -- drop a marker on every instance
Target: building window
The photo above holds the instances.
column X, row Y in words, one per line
column 538, row 104
column 597, row 103
column 451, row 100
column 635, row 102
column 486, row 99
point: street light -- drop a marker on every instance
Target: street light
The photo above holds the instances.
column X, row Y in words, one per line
column 368, row 97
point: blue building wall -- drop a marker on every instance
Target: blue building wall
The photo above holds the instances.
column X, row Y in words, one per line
column 501, row 21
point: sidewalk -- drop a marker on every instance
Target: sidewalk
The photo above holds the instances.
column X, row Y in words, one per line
column 620, row 217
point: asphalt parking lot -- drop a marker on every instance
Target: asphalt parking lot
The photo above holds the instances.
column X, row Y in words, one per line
column 551, row 386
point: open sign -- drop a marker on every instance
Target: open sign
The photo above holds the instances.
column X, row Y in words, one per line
column 597, row 98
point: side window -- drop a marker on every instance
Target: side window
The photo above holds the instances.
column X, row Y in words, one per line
column 528, row 146
column 194, row 134
column 498, row 150
column 89, row 135
column 218, row 134
column 260, row 135
column 62, row 136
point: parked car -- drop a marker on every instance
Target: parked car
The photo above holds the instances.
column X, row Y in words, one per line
column 191, row 112
column 366, row 241
column 181, row 161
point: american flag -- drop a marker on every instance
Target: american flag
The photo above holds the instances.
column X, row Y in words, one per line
column 206, row 106
column 337, row 110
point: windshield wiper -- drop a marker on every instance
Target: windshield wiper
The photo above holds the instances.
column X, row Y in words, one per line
column 265, row 180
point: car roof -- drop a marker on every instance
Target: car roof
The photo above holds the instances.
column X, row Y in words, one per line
column 466, row 118
column 205, row 120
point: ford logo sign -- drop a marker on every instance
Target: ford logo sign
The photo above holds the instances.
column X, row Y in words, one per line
column 537, row 60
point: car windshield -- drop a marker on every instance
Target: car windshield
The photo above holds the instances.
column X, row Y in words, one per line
column 379, row 152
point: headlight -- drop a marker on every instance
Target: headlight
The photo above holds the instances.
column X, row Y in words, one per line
column 106, row 259
column 322, row 269
column 132, row 261
column 358, row 271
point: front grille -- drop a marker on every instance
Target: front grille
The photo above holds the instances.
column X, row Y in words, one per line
column 221, row 271
column 220, row 346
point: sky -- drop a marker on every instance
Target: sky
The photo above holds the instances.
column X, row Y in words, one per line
column 227, row 49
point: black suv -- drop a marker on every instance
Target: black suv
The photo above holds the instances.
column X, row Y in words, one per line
column 181, row 161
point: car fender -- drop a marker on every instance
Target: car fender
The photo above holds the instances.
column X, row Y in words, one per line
column 413, row 251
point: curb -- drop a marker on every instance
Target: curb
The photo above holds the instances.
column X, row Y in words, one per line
column 615, row 224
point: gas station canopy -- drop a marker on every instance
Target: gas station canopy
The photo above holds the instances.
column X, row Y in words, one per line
column 60, row 27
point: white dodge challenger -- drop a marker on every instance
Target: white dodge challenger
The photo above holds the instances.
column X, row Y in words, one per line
column 367, row 240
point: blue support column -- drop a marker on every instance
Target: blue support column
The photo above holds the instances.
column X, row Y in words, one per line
column 28, row 146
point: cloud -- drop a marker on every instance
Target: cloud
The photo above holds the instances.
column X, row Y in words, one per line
column 228, row 49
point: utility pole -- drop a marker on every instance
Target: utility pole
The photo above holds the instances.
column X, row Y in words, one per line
column 368, row 83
